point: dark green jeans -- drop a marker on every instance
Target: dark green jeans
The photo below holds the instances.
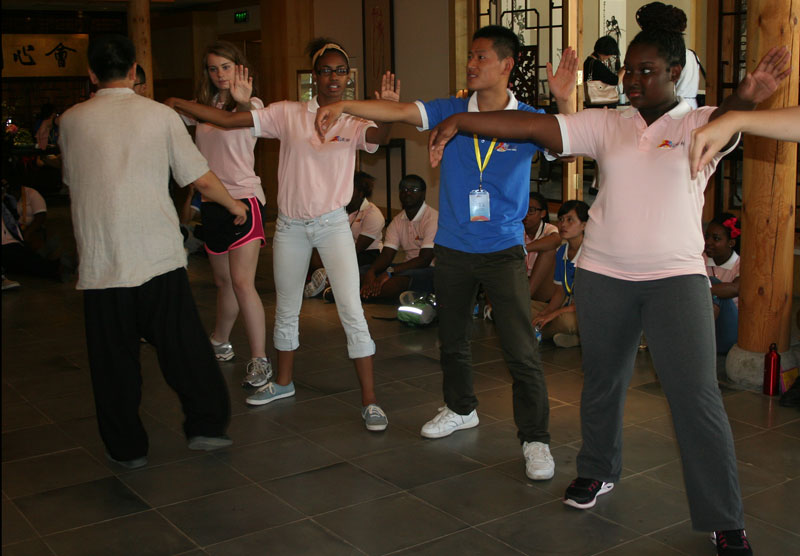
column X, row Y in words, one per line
column 456, row 278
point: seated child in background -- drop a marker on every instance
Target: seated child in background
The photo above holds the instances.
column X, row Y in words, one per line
column 722, row 267
column 18, row 256
column 541, row 241
column 32, row 211
column 366, row 223
column 557, row 319
column 413, row 231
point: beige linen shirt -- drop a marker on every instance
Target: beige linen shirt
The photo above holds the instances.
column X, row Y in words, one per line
column 118, row 149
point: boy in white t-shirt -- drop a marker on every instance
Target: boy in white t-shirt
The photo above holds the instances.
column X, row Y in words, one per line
column 412, row 230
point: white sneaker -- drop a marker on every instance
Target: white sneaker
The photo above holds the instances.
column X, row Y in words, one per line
column 566, row 340
column 447, row 422
column 539, row 464
column 319, row 279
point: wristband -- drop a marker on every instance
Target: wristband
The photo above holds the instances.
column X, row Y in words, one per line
column 389, row 270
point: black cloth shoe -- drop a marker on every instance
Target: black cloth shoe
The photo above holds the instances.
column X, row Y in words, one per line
column 582, row 493
column 732, row 543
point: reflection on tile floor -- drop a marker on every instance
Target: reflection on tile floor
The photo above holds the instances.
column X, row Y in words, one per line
column 304, row 477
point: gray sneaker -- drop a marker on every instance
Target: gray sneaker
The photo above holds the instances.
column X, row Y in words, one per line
column 209, row 443
column 259, row 371
column 223, row 352
column 270, row 392
column 374, row 418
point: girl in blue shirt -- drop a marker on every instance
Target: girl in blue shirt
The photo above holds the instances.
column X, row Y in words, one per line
column 557, row 319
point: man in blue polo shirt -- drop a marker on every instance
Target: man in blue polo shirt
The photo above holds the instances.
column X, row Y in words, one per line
column 483, row 200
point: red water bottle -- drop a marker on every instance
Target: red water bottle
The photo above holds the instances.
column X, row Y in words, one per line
column 772, row 371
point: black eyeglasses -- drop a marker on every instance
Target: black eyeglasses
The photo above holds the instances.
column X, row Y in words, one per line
column 341, row 70
column 405, row 189
column 531, row 210
column 138, row 84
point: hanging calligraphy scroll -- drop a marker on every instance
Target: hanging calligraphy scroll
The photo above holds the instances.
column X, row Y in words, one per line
column 45, row 55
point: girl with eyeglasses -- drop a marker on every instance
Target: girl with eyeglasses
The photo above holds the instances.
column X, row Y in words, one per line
column 315, row 183
column 232, row 250
column 541, row 241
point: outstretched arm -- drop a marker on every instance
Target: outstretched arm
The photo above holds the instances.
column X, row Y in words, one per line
column 759, row 85
column 782, row 124
column 375, row 110
column 508, row 124
column 390, row 90
column 201, row 112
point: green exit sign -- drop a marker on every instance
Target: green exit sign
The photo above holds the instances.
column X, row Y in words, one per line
column 241, row 17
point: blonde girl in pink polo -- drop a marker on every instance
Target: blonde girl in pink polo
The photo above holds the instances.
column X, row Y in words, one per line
column 642, row 268
column 315, row 183
column 232, row 250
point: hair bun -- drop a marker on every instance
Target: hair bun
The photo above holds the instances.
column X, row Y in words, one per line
column 658, row 16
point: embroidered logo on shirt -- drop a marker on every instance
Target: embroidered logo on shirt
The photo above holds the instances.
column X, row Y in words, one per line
column 339, row 139
column 505, row 147
column 667, row 144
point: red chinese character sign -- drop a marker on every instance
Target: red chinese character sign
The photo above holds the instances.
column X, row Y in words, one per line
column 45, row 55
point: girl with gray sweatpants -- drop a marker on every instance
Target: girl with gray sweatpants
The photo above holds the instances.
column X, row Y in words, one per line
column 678, row 321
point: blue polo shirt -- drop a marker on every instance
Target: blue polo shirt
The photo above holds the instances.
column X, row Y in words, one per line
column 507, row 178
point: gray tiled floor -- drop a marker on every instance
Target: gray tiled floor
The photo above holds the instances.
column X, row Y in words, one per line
column 304, row 477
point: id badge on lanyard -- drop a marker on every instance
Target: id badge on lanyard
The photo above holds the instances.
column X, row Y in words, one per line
column 479, row 206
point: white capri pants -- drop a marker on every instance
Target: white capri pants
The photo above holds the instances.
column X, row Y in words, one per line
column 330, row 235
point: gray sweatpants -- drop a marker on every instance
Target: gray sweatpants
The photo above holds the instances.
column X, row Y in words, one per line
column 678, row 322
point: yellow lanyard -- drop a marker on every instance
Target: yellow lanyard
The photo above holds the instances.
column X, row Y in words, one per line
column 566, row 282
column 482, row 165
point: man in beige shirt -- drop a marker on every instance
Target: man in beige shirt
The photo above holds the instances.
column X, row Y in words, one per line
column 118, row 150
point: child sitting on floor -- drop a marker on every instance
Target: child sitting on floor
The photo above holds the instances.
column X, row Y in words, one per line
column 557, row 319
column 722, row 267
column 541, row 241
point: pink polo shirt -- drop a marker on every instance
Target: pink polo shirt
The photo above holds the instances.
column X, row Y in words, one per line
column 726, row 272
column 541, row 231
column 412, row 235
column 230, row 156
column 368, row 221
column 646, row 221
column 314, row 177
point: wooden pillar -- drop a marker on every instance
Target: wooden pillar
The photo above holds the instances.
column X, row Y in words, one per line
column 712, row 87
column 139, row 33
column 572, row 35
column 463, row 25
column 286, row 28
column 765, row 295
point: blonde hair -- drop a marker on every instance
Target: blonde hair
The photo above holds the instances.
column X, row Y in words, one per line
column 206, row 91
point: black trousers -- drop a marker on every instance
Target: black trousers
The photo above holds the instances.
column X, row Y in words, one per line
column 163, row 312
column 503, row 274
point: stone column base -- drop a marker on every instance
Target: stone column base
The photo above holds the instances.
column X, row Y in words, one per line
column 746, row 368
